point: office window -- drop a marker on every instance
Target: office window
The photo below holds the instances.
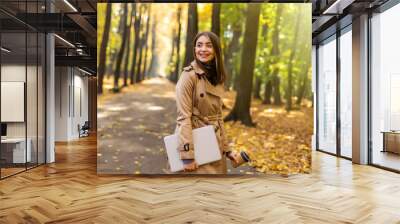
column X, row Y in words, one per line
column 346, row 92
column 327, row 96
column 385, row 89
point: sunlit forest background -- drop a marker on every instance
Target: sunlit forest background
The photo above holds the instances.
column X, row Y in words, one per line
column 267, row 54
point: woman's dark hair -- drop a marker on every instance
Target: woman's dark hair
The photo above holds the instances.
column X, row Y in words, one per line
column 221, row 75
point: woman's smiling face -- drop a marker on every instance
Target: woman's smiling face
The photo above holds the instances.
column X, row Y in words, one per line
column 204, row 49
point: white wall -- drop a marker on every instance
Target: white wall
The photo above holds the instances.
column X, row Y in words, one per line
column 33, row 126
column 80, row 110
column 12, row 73
column 62, row 81
column 71, row 94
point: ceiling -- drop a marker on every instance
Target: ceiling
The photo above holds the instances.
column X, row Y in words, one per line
column 74, row 22
column 330, row 15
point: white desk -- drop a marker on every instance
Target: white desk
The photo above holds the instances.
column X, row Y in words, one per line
column 19, row 149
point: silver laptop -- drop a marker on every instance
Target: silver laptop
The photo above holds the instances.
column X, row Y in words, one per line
column 206, row 149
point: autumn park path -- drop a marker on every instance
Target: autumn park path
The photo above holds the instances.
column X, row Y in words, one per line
column 131, row 127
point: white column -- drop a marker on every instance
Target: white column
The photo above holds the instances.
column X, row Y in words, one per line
column 50, row 99
column 360, row 90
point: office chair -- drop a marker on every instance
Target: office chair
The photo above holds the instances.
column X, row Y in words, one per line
column 84, row 130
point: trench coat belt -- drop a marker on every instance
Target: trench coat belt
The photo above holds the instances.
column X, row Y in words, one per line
column 208, row 119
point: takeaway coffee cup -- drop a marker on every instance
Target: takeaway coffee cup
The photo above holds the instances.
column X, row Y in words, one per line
column 238, row 158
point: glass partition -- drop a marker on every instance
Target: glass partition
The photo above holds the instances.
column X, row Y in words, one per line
column 327, row 96
column 22, row 88
column 385, row 89
column 13, row 92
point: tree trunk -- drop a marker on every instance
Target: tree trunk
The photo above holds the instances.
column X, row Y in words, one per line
column 241, row 109
column 146, row 45
column 103, row 49
column 257, row 88
column 290, row 64
column 276, row 82
column 233, row 47
column 139, row 64
column 171, row 59
column 275, row 60
column 140, row 52
column 154, row 56
column 303, row 85
column 121, row 50
column 235, row 79
column 128, row 45
column 109, row 69
column 175, row 73
column 301, row 90
column 275, row 36
column 215, row 18
column 137, row 24
column 192, row 29
column 267, row 92
column 265, row 71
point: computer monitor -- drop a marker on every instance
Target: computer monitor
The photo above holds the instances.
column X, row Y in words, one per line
column 3, row 129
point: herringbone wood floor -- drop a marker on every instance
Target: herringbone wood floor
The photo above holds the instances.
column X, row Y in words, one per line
column 69, row 191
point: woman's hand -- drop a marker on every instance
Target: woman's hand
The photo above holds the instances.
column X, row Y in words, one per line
column 190, row 166
column 234, row 157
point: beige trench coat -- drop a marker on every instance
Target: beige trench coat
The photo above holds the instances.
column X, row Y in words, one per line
column 199, row 103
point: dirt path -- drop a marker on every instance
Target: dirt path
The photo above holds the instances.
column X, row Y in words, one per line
column 132, row 125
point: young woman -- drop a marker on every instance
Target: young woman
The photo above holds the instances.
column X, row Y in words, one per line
column 199, row 102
